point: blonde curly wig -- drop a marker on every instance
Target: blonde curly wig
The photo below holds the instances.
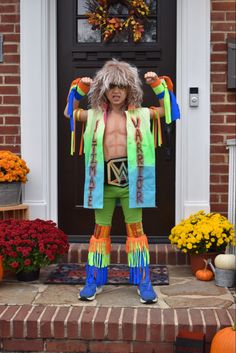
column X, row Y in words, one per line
column 117, row 73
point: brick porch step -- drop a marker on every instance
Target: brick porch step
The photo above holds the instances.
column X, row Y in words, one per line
column 94, row 329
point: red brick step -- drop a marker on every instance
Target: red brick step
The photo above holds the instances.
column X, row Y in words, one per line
column 106, row 330
column 93, row 329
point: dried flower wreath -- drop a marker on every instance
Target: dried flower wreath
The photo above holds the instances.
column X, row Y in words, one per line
column 98, row 17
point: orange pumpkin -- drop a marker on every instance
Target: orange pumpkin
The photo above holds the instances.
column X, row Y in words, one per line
column 1, row 268
column 204, row 274
column 224, row 341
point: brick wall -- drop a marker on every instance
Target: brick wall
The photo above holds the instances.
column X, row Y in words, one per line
column 223, row 107
column 10, row 76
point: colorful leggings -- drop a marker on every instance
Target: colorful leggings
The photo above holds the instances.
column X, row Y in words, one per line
column 100, row 242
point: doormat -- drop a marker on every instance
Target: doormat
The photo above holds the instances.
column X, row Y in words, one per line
column 72, row 273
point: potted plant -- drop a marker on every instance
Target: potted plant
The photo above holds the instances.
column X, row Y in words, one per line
column 202, row 234
column 13, row 172
column 28, row 245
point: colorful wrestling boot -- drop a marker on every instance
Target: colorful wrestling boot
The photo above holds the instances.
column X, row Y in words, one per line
column 88, row 293
column 146, row 292
column 98, row 261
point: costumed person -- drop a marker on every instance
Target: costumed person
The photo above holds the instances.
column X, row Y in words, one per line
column 119, row 148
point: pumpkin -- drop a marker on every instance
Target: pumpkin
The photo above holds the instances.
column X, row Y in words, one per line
column 1, row 268
column 224, row 341
column 204, row 274
column 226, row 261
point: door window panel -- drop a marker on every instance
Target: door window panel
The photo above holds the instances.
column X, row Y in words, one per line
column 81, row 7
column 121, row 37
column 85, row 33
column 118, row 9
column 150, row 33
column 152, row 4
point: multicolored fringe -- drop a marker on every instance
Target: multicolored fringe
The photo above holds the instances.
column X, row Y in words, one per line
column 98, row 259
column 157, row 127
column 76, row 117
column 77, row 91
column 138, row 258
column 163, row 88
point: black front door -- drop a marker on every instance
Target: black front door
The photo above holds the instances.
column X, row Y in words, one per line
column 81, row 52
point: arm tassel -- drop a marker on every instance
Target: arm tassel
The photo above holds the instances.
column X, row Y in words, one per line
column 157, row 132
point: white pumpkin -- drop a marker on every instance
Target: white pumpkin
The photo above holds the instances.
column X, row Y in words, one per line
column 225, row 261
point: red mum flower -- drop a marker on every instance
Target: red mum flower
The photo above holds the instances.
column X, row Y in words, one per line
column 14, row 264
column 27, row 262
column 31, row 243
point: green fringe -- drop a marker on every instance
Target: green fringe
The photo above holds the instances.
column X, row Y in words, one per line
column 139, row 258
column 98, row 260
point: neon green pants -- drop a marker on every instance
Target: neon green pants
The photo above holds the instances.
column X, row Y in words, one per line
column 112, row 194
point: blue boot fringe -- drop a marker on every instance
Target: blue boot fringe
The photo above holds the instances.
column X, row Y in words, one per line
column 97, row 275
column 136, row 274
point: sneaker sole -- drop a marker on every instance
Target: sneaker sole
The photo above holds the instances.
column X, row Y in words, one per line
column 150, row 301
column 86, row 299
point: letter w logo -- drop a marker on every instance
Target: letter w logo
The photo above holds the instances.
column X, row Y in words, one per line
column 117, row 173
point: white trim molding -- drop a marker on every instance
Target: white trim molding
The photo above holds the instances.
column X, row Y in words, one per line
column 39, row 106
column 193, row 130
column 231, row 145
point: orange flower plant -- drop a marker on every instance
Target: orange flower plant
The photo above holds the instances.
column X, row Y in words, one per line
column 12, row 168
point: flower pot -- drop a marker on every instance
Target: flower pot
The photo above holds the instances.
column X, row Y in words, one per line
column 28, row 276
column 225, row 278
column 197, row 260
column 10, row 193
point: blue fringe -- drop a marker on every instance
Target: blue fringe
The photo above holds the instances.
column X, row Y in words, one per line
column 175, row 112
column 161, row 95
column 70, row 103
column 136, row 274
column 99, row 275
column 72, row 95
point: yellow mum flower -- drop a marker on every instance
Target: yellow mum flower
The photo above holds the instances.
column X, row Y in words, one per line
column 199, row 237
column 203, row 232
column 220, row 241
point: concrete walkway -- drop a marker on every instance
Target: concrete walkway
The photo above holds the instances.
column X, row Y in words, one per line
column 183, row 291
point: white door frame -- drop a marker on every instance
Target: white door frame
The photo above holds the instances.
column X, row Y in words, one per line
column 39, row 106
column 193, row 132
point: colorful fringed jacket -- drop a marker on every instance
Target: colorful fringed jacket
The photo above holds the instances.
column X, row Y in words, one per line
column 140, row 146
column 140, row 153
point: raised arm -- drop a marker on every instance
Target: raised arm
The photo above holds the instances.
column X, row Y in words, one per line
column 154, row 81
column 78, row 89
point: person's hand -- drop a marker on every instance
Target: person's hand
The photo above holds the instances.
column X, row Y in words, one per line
column 75, row 82
column 87, row 81
column 150, row 77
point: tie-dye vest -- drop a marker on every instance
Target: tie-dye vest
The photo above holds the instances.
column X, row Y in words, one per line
column 140, row 153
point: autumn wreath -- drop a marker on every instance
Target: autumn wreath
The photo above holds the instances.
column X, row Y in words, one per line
column 99, row 18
